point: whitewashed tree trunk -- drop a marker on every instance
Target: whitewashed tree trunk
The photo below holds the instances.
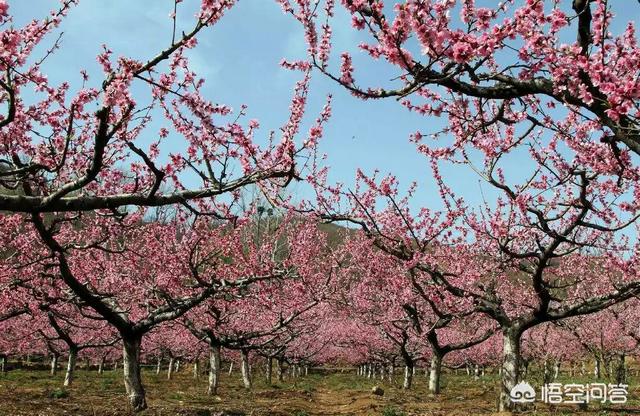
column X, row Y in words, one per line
column 3, row 362
column 158, row 365
column 101, row 365
column 132, row 376
column 231, row 368
column 269, row 370
column 597, row 372
column 510, row 367
column 54, row 364
column 170, row 369
column 408, row 377
column 178, row 365
column 196, row 369
column 556, row 369
column 435, row 373
column 71, row 367
column 214, row 370
column 246, row 371
column 476, row 372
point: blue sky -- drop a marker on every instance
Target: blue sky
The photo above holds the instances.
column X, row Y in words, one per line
column 239, row 57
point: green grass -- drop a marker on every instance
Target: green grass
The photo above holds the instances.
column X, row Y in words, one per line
column 392, row 411
column 58, row 394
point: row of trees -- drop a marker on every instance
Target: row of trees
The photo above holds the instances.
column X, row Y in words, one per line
column 89, row 260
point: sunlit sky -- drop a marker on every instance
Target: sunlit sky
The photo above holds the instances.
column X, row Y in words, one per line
column 239, row 58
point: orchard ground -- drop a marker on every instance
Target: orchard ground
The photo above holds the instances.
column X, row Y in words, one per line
column 34, row 392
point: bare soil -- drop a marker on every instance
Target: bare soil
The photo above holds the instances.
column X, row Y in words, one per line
column 36, row 393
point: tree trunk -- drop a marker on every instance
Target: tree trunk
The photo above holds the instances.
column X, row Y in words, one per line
column 269, row 370
column 556, row 369
column 196, row 369
column 434, row 374
column 170, row 369
column 54, row 364
column 101, row 365
column 71, row 366
column 246, row 371
column 158, row 365
column 231, row 368
column 280, row 369
column 132, row 377
column 510, row 368
column 3, row 361
column 408, row 377
column 392, row 370
column 597, row 372
column 546, row 374
column 621, row 371
column 214, row 370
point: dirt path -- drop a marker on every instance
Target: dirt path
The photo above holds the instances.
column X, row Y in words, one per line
column 328, row 402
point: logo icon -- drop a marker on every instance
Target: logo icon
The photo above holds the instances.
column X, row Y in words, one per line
column 522, row 393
